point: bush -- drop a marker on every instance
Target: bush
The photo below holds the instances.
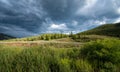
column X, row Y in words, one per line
column 102, row 53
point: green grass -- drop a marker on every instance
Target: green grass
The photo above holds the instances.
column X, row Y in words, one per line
column 39, row 59
column 95, row 56
column 88, row 38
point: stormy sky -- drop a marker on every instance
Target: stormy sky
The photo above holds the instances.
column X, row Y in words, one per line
column 32, row 17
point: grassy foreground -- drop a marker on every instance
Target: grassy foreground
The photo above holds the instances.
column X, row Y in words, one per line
column 96, row 56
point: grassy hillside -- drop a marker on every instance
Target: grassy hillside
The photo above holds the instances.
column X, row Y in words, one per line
column 88, row 38
column 5, row 37
column 62, row 38
column 106, row 30
column 101, row 32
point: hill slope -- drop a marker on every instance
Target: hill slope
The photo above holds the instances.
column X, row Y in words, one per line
column 106, row 30
column 42, row 37
column 5, row 37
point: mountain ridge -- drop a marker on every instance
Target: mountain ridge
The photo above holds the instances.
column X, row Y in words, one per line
column 5, row 36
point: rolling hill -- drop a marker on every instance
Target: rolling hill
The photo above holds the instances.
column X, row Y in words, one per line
column 101, row 32
column 42, row 37
column 106, row 30
column 5, row 37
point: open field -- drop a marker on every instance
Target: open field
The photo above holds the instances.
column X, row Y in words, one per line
column 52, row 56
column 57, row 44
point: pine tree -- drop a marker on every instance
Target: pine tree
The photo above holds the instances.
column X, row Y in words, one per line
column 71, row 34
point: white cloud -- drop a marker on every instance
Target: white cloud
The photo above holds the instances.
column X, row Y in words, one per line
column 91, row 24
column 74, row 23
column 100, row 22
column 118, row 10
column 89, row 4
column 117, row 20
column 95, row 22
column 58, row 26
column 95, row 8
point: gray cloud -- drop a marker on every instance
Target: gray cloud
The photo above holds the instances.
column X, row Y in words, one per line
column 30, row 17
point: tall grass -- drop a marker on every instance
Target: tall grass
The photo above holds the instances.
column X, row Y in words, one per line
column 97, row 56
column 40, row 59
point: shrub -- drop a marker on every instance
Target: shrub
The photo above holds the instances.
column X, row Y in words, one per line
column 102, row 53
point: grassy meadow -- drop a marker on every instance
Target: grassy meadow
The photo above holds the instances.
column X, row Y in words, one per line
column 94, row 56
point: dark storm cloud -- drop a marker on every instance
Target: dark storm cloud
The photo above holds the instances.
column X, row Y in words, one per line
column 61, row 9
column 31, row 17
